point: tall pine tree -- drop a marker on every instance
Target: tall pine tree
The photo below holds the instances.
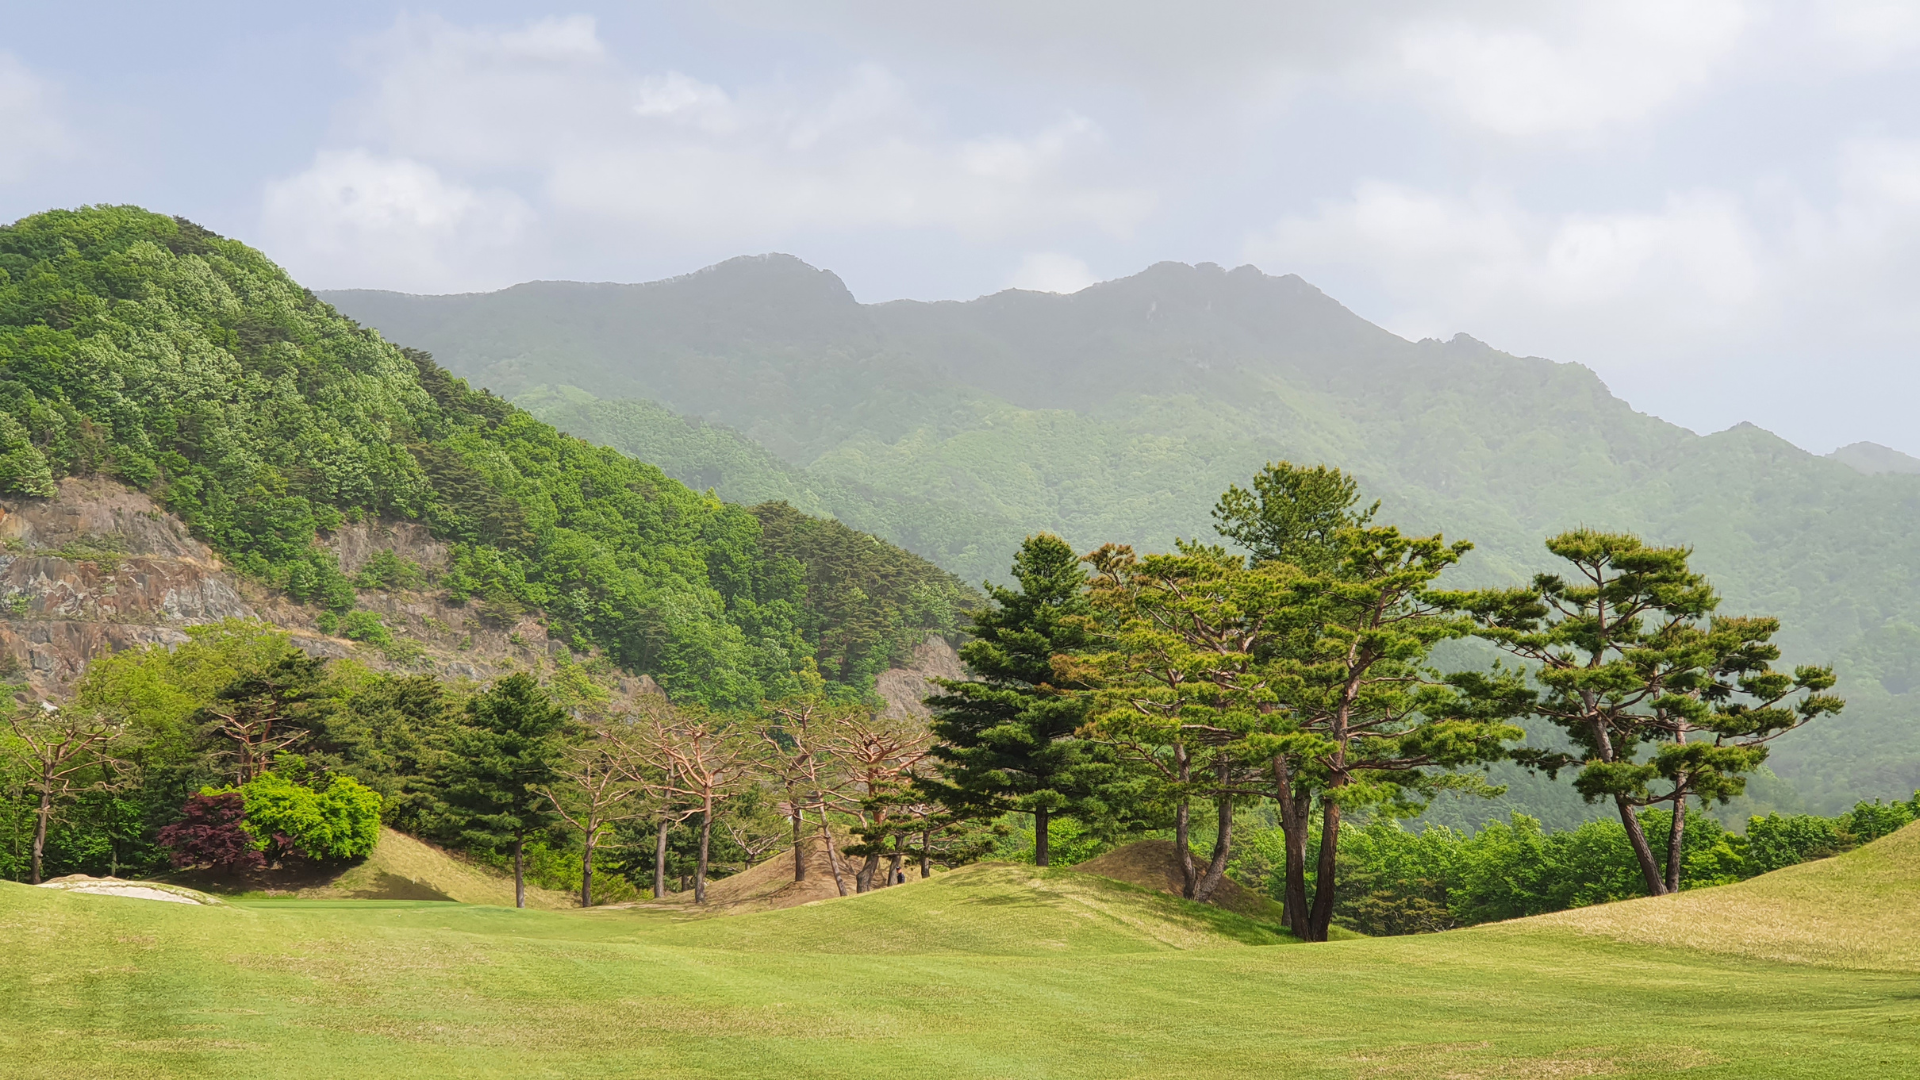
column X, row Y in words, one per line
column 498, row 759
column 1007, row 740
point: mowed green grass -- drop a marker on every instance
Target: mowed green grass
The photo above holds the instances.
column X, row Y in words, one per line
column 987, row 972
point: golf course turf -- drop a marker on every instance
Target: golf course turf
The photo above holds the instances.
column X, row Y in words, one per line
column 989, row 971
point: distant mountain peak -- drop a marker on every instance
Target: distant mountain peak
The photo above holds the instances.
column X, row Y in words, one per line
column 1873, row 459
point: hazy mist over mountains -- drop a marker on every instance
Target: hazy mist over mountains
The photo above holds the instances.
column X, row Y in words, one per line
column 1121, row 411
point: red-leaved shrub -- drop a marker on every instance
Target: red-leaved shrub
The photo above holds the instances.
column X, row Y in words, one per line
column 210, row 834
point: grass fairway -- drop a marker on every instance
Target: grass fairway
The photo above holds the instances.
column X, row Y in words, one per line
column 987, row 972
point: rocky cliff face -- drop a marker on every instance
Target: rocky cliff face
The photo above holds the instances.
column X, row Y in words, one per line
column 100, row 568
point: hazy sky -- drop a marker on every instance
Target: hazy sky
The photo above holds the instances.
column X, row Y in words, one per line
column 1713, row 203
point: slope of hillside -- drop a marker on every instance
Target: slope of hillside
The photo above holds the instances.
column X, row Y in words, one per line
column 147, row 350
column 1122, row 411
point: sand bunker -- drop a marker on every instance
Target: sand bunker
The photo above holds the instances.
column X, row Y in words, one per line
column 137, row 890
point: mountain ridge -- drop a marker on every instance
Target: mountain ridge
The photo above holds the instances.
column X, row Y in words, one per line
column 1120, row 412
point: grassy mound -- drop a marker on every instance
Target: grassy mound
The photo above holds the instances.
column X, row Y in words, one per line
column 992, row 909
column 1155, row 864
column 403, row 868
column 1857, row 910
column 399, row 868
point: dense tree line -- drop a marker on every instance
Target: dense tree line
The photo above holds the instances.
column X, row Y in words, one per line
column 237, row 757
column 1296, row 678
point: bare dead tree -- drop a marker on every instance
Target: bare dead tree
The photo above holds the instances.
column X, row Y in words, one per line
column 698, row 759
column 61, row 746
column 600, row 791
column 806, row 773
column 879, row 756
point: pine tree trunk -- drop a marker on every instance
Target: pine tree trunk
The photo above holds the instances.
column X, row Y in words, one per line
column 1642, row 851
column 1189, row 874
column 1675, row 836
column 799, row 853
column 894, row 877
column 1222, row 843
column 926, row 854
column 700, row 868
column 1182, row 814
column 519, row 874
column 1040, row 837
column 1293, row 828
column 41, row 818
column 1320, row 920
column 660, row 862
column 863, row 878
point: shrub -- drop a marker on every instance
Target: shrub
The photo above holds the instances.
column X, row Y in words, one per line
column 210, row 833
column 366, row 626
column 341, row 821
column 386, row 570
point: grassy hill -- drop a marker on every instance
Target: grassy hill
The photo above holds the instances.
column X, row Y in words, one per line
column 988, row 972
column 1122, row 411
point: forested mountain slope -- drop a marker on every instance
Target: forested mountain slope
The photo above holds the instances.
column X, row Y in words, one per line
column 1121, row 412
column 143, row 349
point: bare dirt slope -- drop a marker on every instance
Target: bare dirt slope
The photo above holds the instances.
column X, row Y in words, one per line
column 769, row 885
column 1155, row 864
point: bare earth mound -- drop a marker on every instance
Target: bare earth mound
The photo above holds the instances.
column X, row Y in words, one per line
column 1856, row 910
column 1155, row 864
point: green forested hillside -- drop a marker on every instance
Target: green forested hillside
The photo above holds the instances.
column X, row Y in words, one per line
column 144, row 348
column 1122, row 411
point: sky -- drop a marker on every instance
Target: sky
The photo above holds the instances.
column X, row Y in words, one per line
column 1714, row 204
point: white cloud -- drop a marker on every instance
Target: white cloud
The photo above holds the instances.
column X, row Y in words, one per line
column 1871, row 31
column 1050, row 271
column 1579, row 284
column 31, row 130
column 1594, row 66
column 1698, row 307
column 666, row 155
column 357, row 219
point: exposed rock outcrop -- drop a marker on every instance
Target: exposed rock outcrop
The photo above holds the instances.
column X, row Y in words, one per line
column 905, row 689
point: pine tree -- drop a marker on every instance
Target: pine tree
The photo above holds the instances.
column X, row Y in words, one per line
column 1006, row 741
column 505, row 751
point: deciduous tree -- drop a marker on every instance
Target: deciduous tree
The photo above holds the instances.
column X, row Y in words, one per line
column 64, row 751
column 597, row 790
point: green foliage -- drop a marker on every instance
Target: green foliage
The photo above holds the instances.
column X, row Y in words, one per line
column 337, row 821
column 506, row 747
column 867, row 603
column 1401, row 881
column 23, row 468
column 387, row 570
column 1293, row 514
column 146, row 348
